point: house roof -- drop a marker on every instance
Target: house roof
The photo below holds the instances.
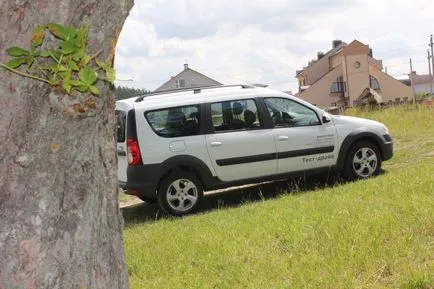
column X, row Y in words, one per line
column 422, row 78
column 191, row 70
column 355, row 47
column 329, row 53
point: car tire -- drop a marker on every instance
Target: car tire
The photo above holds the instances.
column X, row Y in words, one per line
column 363, row 161
column 147, row 200
column 179, row 193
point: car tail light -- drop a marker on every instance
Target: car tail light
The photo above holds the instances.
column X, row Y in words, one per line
column 133, row 152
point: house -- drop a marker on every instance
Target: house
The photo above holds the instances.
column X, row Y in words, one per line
column 187, row 78
column 338, row 77
column 422, row 84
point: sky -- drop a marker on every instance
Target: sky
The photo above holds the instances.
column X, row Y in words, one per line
column 265, row 41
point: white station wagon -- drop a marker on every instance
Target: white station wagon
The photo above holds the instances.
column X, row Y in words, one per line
column 172, row 146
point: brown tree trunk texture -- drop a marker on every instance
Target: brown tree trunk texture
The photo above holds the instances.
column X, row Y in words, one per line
column 60, row 225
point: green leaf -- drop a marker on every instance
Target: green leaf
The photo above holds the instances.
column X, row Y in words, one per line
column 58, row 30
column 57, row 68
column 30, row 60
column 94, row 89
column 88, row 75
column 66, row 75
column 77, row 83
column 38, row 36
column 77, row 56
column 110, row 74
column 44, row 53
column 109, row 71
column 54, row 68
column 102, row 64
column 17, row 51
column 67, row 86
column 82, row 88
column 64, row 33
column 16, row 62
column 82, row 36
column 71, row 32
column 67, row 47
column 73, row 65
column 85, row 60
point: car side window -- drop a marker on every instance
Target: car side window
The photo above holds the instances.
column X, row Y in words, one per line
column 235, row 115
column 288, row 113
column 175, row 122
column 121, row 118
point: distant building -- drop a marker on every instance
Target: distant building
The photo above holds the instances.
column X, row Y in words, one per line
column 338, row 77
column 188, row 78
column 422, row 84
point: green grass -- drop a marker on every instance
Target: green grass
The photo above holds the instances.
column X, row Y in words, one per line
column 124, row 198
column 376, row 233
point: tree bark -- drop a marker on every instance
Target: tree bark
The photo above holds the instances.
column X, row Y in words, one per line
column 60, row 224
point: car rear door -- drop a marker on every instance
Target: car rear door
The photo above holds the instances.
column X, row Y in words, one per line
column 239, row 146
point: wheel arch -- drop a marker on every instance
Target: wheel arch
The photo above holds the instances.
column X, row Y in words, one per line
column 354, row 137
column 189, row 164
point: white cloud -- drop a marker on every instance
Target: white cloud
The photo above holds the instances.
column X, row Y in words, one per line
column 264, row 41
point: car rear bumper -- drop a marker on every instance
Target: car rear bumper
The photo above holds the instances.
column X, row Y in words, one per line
column 143, row 181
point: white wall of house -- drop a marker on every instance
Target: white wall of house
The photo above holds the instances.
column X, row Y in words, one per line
column 424, row 88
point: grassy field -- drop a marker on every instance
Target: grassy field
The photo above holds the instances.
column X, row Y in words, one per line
column 376, row 233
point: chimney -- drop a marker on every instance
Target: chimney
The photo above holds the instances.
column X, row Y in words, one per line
column 185, row 66
column 320, row 55
column 370, row 52
column 336, row 43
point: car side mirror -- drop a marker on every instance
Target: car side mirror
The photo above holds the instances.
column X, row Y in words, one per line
column 326, row 118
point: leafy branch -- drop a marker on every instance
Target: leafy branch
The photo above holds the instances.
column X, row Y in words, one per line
column 69, row 66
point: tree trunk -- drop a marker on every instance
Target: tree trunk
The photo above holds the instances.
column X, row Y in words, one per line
column 60, row 224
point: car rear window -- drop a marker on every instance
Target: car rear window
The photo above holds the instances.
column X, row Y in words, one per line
column 175, row 122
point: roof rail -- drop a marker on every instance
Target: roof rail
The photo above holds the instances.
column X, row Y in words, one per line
column 195, row 90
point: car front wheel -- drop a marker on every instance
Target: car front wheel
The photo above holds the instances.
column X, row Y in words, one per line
column 180, row 193
column 363, row 161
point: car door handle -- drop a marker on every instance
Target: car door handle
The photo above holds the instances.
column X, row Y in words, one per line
column 215, row 144
column 283, row 137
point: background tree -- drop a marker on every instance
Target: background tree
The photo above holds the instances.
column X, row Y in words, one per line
column 127, row 92
column 60, row 225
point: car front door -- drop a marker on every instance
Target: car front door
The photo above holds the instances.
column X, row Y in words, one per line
column 303, row 142
column 239, row 146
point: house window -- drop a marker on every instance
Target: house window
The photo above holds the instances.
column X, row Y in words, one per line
column 405, row 99
column 179, row 83
column 338, row 85
column 398, row 99
column 373, row 82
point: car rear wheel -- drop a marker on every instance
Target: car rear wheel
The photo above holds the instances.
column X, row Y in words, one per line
column 180, row 193
column 363, row 161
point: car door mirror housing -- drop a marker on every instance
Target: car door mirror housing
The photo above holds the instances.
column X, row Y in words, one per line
column 326, row 118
